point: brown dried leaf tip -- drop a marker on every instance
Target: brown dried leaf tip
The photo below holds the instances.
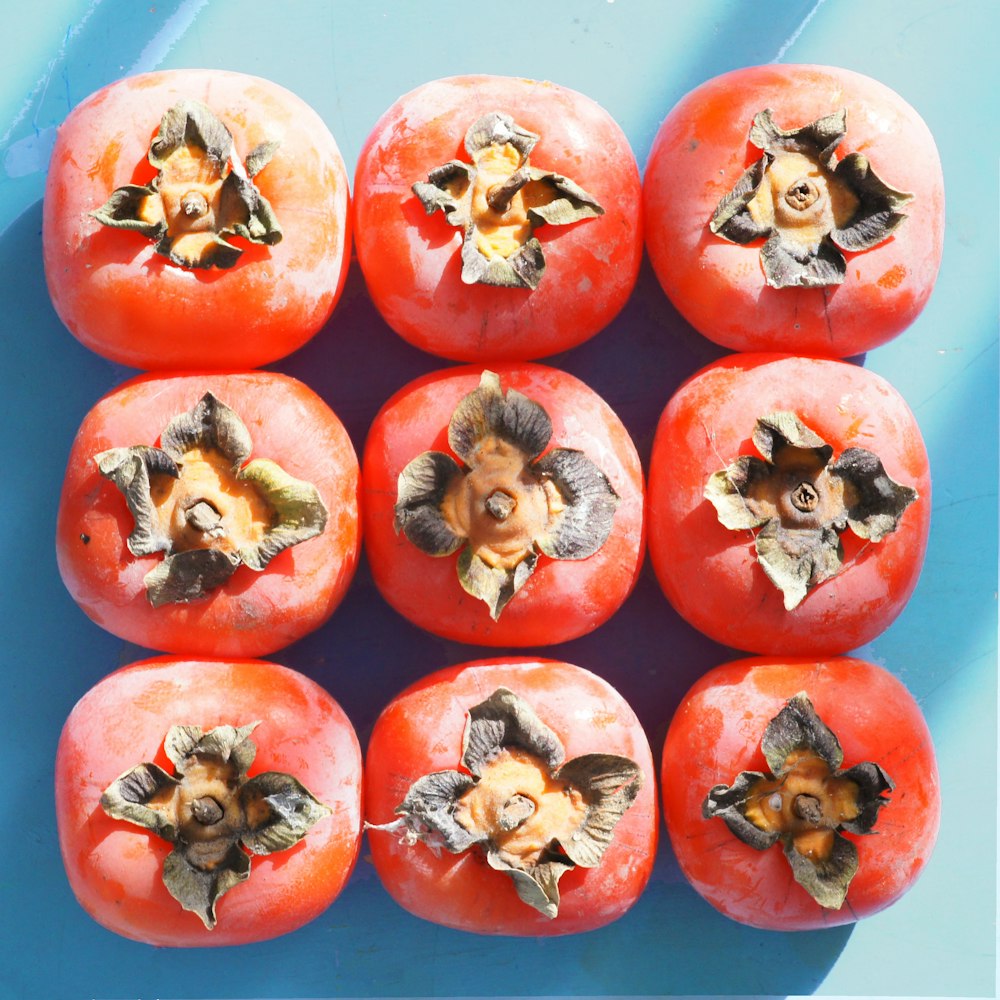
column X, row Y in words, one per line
column 202, row 194
column 505, row 506
column 798, row 502
column 807, row 205
column 213, row 814
column 805, row 802
column 535, row 815
column 499, row 200
column 198, row 500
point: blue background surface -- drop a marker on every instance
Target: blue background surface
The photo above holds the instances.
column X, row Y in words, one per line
column 350, row 61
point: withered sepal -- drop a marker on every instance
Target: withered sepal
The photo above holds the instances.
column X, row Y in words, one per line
column 795, row 734
column 789, row 259
column 201, row 196
column 190, row 572
column 798, row 502
column 507, row 503
column 211, row 812
column 552, row 199
column 606, row 785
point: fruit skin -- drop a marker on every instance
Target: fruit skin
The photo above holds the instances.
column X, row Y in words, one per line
column 420, row 731
column 563, row 599
column 411, row 260
column 710, row 573
column 253, row 613
column 131, row 305
column 115, row 868
column 700, row 151
column 716, row 733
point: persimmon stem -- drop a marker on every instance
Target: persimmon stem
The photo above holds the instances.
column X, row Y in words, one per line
column 808, row 808
column 500, row 196
column 206, row 810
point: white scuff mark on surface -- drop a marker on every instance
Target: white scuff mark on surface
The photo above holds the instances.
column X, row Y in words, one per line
column 798, row 31
column 31, row 154
column 174, row 28
column 37, row 95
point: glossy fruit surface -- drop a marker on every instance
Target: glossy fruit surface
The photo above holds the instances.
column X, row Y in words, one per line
column 698, row 156
column 137, row 307
column 252, row 612
column 716, row 733
column 711, row 573
column 563, row 598
column 421, row 732
column 411, row 259
column 115, row 867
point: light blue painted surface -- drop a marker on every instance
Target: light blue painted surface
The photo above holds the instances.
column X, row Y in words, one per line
column 350, row 61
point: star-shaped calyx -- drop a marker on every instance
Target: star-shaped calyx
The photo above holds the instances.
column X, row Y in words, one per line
column 508, row 504
column 214, row 815
column 499, row 200
column 798, row 502
column 198, row 500
column 534, row 814
column 807, row 205
column 202, row 195
column 805, row 802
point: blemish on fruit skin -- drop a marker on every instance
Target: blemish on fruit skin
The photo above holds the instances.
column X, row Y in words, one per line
column 892, row 277
column 855, row 429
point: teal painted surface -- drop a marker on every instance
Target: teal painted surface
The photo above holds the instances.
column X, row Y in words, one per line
column 350, row 61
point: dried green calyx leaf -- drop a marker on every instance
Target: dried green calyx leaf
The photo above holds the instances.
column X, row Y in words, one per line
column 534, row 815
column 202, row 195
column 798, row 502
column 805, row 802
column 807, row 206
column 507, row 504
column 198, row 500
column 499, row 200
column 212, row 812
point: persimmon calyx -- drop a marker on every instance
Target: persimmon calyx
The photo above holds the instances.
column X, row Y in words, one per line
column 806, row 205
column 507, row 504
column 214, row 815
column 499, row 200
column 805, row 802
column 197, row 499
column 202, row 195
column 798, row 502
column 533, row 813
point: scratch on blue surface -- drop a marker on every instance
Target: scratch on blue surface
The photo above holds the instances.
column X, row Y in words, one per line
column 30, row 155
column 794, row 37
column 166, row 38
column 37, row 95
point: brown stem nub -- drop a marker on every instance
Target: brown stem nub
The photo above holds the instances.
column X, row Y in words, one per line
column 206, row 810
column 808, row 808
column 516, row 810
column 500, row 504
column 194, row 204
column 202, row 516
column 805, row 498
column 500, row 196
column 801, row 194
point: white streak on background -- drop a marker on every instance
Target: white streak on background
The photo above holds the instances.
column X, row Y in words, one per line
column 37, row 95
column 798, row 31
column 31, row 154
column 168, row 36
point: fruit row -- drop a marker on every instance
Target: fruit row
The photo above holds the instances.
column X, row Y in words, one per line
column 498, row 508
column 822, row 234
